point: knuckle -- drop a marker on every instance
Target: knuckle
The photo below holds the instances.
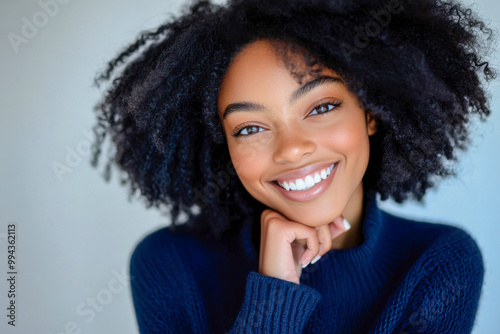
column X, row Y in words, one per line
column 265, row 213
column 266, row 216
column 327, row 245
column 274, row 224
column 315, row 247
column 313, row 243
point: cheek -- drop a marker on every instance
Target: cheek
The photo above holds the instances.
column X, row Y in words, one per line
column 249, row 165
column 350, row 139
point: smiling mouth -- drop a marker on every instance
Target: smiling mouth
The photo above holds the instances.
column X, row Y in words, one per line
column 307, row 182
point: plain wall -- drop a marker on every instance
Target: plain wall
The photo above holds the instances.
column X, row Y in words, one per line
column 75, row 233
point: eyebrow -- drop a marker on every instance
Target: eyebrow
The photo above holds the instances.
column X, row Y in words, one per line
column 309, row 86
column 242, row 106
column 300, row 92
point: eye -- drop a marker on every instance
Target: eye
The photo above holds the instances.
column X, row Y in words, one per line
column 247, row 130
column 324, row 108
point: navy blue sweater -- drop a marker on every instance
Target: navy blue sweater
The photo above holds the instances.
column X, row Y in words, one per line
column 405, row 277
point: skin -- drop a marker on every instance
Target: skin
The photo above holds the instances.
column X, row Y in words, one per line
column 280, row 134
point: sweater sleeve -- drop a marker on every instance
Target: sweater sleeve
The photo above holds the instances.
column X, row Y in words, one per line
column 272, row 305
column 169, row 297
column 443, row 295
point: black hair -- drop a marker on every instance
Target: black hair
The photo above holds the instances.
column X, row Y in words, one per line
column 415, row 64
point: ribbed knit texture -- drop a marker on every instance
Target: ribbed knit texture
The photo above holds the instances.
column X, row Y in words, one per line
column 406, row 277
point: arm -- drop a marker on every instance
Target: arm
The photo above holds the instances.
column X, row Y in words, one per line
column 165, row 296
column 443, row 294
column 166, row 300
column 274, row 305
column 274, row 299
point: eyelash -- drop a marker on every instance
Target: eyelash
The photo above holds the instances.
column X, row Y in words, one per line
column 334, row 105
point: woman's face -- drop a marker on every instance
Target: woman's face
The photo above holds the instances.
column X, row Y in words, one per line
column 300, row 149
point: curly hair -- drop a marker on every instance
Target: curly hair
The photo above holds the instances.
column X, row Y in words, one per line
column 415, row 64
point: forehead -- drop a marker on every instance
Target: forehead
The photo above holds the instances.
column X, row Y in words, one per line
column 262, row 67
column 299, row 62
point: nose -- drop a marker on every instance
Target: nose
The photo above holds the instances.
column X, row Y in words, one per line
column 292, row 145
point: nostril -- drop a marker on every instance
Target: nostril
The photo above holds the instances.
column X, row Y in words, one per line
column 292, row 151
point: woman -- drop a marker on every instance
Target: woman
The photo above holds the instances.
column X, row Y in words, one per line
column 270, row 127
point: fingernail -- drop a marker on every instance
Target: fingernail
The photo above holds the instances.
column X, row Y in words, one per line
column 346, row 224
column 305, row 265
column 316, row 259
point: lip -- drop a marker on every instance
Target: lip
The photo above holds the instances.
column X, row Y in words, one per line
column 312, row 193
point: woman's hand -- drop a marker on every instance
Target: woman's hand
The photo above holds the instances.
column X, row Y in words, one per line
column 286, row 246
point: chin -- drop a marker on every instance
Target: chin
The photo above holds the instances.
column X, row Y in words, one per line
column 312, row 217
column 314, row 213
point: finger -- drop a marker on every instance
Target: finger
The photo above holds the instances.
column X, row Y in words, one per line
column 264, row 220
column 297, row 251
column 325, row 241
column 312, row 243
column 339, row 226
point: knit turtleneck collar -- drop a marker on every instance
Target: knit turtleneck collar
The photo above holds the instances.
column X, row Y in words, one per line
column 368, row 264
column 368, row 261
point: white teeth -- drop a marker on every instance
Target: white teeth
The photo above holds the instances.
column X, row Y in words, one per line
column 308, row 182
column 317, row 178
column 301, row 185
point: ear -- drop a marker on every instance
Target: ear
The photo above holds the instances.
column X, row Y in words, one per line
column 371, row 122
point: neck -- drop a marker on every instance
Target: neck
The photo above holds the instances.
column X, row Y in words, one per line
column 353, row 213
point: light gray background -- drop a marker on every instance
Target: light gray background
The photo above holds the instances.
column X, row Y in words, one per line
column 75, row 234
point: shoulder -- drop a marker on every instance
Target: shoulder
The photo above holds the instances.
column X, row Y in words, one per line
column 158, row 242
column 157, row 259
column 165, row 268
column 158, row 246
column 167, row 246
column 434, row 237
column 172, row 273
column 439, row 246
column 440, row 288
column 167, row 254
